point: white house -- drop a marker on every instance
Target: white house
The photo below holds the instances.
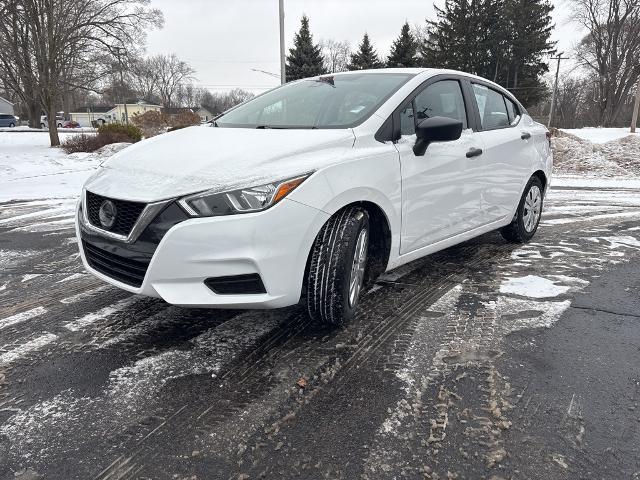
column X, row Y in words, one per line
column 207, row 113
column 6, row 106
column 86, row 115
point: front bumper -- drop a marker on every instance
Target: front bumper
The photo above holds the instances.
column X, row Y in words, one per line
column 274, row 244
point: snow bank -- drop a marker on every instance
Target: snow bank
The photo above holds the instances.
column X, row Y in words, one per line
column 599, row 135
column 614, row 158
column 31, row 169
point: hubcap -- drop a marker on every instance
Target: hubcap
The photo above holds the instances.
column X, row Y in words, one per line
column 357, row 268
column 532, row 209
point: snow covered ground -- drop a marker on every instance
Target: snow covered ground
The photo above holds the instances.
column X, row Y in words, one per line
column 31, row 169
column 23, row 129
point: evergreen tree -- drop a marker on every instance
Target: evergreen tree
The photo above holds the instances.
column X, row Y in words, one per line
column 451, row 43
column 305, row 58
column 404, row 50
column 530, row 39
column 366, row 57
column 508, row 46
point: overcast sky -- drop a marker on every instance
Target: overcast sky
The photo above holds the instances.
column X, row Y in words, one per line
column 224, row 39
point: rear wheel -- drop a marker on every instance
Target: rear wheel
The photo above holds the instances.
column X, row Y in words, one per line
column 337, row 267
column 525, row 224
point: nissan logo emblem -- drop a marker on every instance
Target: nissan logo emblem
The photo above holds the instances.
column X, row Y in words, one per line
column 107, row 214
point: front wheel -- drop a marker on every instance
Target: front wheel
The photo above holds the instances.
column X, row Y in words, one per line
column 337, row 267
column 525, row 224
column 11, row 125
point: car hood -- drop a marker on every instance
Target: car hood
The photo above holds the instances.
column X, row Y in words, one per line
column 204, row 157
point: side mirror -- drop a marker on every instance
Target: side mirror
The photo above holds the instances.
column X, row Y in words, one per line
column 436, row 129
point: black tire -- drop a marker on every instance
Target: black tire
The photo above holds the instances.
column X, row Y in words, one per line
column 517, row 231
column 43, row 126
column 332, row 258
column 12, row 125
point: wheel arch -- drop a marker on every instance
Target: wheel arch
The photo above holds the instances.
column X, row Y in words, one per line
column 543, row 179
column 380, row 243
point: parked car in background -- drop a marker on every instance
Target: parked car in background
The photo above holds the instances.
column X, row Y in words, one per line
column 315, row 188
column 8, row 120
column 70, row 124
column 44, row 121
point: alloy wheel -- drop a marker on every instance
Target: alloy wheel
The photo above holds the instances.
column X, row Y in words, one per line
column 532, row 208
column 357, row 268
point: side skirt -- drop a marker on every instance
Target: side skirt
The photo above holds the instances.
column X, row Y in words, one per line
column 449, row 242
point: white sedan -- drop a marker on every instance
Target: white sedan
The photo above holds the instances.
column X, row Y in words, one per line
column 315, row 188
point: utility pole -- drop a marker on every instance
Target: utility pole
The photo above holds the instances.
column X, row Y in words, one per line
column 122, row 93
column 555, row 87
column 636, row 107
column 283, row 75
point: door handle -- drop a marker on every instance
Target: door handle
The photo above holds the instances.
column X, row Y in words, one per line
column 474, row 152
column 525, row 136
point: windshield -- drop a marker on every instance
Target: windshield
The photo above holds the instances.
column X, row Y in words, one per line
column 330, row 101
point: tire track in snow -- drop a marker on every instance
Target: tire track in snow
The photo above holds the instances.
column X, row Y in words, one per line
column 21, row 317
column 85, row 295
column 333, row 366
column 131, row 393
column 26, row 348
column 105, row 312
column 474, row 334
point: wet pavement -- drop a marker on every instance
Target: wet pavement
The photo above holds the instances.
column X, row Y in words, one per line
column 487, row 360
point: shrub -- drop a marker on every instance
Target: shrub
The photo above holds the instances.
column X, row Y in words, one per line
column 154, row 123
column 132, row 132
column 184, row 119
column 91, row 143
column 151, row 123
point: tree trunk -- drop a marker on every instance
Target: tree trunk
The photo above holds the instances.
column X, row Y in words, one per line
column 34, row 114
column 54, row 138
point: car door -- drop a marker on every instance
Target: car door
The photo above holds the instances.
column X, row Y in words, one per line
column 440, row 192
column 508, row 151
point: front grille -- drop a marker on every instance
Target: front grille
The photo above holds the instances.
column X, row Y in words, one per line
column 119, row 268
column 127, row 213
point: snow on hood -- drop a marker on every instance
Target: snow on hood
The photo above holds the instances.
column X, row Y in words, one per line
column 201, row 158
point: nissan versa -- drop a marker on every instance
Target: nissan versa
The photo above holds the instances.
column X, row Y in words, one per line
column 313, row 189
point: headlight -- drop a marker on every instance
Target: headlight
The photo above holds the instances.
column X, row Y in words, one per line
column 244, row 200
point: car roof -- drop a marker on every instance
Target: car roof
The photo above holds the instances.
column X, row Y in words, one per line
column 424, row 72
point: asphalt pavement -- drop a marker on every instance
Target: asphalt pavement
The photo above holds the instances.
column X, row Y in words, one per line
column 484, row 361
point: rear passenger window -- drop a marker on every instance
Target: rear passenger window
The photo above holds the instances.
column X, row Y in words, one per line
column 492, row 107
column 512, row 110
column 440, row 99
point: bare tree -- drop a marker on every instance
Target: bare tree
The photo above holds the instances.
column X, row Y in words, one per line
column 336, row 55
column 224, row 101
column 172, row 74
column 17, row 64
column 55, row 46
column 610, row 50
column 191, row 95
column 144, row 79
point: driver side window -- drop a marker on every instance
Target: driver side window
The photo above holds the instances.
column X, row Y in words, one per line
column 440, row 99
